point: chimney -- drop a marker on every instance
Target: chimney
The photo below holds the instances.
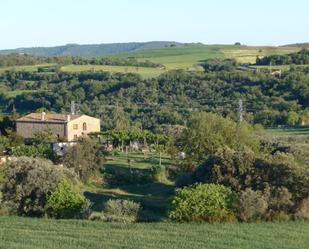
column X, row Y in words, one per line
column 68, row 118
column 43, row 117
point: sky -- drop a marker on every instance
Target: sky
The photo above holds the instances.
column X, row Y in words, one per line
column 32, row 23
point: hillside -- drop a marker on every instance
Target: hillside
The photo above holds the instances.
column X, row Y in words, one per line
column 90, row 50
column 188, row 56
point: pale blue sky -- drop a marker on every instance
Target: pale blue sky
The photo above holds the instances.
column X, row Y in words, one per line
column 25, row 23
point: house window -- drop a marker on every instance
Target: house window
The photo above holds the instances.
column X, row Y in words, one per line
column 75, row 137
column 84, row 126
column 75, row 126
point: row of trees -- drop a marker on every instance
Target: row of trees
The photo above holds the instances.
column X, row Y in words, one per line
column 27, row 59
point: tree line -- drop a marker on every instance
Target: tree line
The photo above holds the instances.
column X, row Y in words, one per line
column 10, row 60
column 298, row 58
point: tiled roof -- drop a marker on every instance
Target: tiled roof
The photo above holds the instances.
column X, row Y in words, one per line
column 48, row 117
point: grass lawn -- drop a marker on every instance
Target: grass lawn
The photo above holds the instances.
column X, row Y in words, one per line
column 27, row 233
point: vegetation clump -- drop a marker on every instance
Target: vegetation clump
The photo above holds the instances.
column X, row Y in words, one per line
column 28, row 182
column 203, row 202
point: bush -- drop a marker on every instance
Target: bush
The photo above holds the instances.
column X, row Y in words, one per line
column 27, row 183
column 159, row 174
column 203, row 202
column 66, row 201
column 39, row 150
column 251, row 205
column 121, row 211
column 127, row 177
column 302, row 211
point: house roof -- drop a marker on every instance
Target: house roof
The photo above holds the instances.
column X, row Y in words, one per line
column 49, row 118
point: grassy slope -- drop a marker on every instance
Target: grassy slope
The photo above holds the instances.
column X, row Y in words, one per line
column 154, row 196
column 23, row 233
column 188, row 56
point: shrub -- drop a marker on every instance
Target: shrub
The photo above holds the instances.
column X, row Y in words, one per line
column 302, row 210
column 203, row 202
column 66, row 201
column 127, row 177
column 159, row 174
column 243, row 169
column 27, row 183
column 251, row 205
column 121, row 211
column 39, row 150
column 279, row 199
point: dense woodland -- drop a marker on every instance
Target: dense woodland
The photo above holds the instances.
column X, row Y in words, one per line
column 168, row 99
column 299, row 58
column 27, row 59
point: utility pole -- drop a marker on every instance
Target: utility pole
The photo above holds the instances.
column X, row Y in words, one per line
column 240, row 111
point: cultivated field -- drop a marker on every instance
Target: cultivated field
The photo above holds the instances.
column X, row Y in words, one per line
column 24, row 233
column 145, row 72
column 189, row 56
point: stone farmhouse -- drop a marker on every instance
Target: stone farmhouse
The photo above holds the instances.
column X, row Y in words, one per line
column 66, row 126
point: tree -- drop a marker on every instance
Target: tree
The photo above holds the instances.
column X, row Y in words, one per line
column 208, row 132
column 28, row 182
column 45, row 136
column 15, row 139
column 119, row 119
column 292, row 118
column 84, row 158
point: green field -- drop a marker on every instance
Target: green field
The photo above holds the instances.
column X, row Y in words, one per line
column 31, row 68
column 145, row 72
column 25, row 233
column 289, row 131
column 189, row 56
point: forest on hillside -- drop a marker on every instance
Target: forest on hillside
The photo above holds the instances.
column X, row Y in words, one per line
column 166, row 100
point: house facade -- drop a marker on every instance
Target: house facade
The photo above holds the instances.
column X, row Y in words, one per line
column 66, row 126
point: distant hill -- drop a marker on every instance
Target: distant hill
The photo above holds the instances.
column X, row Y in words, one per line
column 306, row 44
column 91, row 49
